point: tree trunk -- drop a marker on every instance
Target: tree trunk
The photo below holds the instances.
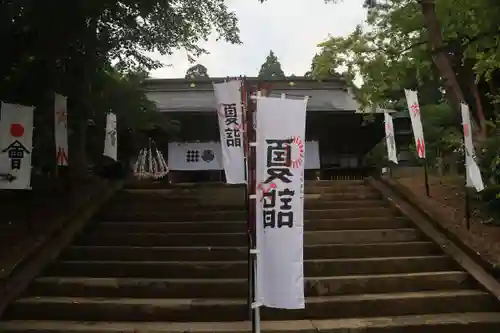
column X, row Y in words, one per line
column 454, row 93
column 479, row 106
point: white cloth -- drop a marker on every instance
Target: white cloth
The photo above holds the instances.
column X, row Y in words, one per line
column 312, row 155
column 230, row 115
column 280, row 202
column 473, row 173
column 390, row 141
column 416, row 123
column 61, row 129
column 16, row 145
column 111, row 138
column 194, row 156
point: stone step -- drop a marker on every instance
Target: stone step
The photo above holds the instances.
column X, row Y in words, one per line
column 240, row 239
column 192, row 253
column 241, row 226
column 165, row 215
column 238, row 269
column 438, row 323
column 181, row 310
column 239, row 192
column 179, row 206
column 475, row 322
column 238, row 288
column 238, row 198
column 221, row 185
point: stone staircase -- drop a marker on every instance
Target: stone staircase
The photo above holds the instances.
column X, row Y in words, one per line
column 174, row 260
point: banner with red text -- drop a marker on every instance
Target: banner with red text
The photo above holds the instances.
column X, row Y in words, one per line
column 61, row 129
column 416, row 123
column 111, row 138
column 474, row 178
column 390, row 141
column 280, row 159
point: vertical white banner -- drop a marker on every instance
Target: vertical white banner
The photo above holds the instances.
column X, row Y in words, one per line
column 416, row 123
column 16, row 146
column 61, row 129
column 280, row 202
column 111, row 137
column 474, row 178
column 312, row 160
column 390, row 141
column 230, row 114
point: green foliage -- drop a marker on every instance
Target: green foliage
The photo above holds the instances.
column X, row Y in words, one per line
column 68, row 47
column 196, row 72
column 441, row 136
column 271, row 68
column 491, row 196
column 393, row 53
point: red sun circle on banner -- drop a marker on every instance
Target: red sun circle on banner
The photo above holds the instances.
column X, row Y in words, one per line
column 16, row 130
column 297, row 152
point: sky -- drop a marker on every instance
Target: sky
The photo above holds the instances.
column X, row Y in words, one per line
column 291, row 28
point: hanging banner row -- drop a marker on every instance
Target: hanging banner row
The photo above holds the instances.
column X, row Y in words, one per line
column 473, row 173
column 16, row 141
column 199, row 156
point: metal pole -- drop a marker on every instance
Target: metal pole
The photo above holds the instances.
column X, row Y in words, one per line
column 250, row 197
column 246, row 145
column 467, row 207
column 426, row 176
column 252, row 186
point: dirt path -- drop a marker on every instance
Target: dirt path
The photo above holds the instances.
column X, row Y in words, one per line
column 447, row 197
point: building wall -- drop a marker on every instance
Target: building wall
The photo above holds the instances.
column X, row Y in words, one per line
column 204, row 100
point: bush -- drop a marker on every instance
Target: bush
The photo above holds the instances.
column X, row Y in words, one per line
column 491, row 196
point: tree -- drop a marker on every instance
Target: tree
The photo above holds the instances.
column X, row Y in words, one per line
column 447, row 50
column 196, row 72
column 67, row 47
column 271, row 68
column 398, row 42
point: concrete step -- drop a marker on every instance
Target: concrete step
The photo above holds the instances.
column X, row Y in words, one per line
column 476, row 322
column 240, row 239
column 154, row 309
column 165, row 215
column 241, row 226
column 209, row 253
column 238, row 269
column 221, row 185
column 181, row 206
column 238, row 288
column 235, row 199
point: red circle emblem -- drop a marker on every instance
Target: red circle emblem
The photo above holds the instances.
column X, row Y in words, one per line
column 298, row 152
column 16, row 130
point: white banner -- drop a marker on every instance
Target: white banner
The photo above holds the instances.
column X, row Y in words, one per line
column 61, row 129
column 111, row 138
column 416, row 123
column 474, row 178
column 390, row 141
column 194, row 156
column 16, row 145
column 312, row 155
column 280, row 202
column 229, row 112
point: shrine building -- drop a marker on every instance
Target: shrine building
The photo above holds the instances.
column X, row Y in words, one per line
column 339, row 136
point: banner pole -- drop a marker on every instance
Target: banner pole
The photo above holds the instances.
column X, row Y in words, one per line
column 251, row 197
column 467, row 208
column 426, row 177
column 244, row 100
